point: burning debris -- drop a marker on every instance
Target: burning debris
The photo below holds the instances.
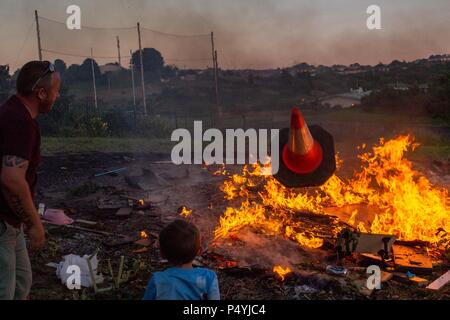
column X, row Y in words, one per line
column 410, row 207
column 184, row 212
column 307, row 154
column 143, row 235
column 281, row 271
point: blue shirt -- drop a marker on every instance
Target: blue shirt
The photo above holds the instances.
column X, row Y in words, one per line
column 183, row 284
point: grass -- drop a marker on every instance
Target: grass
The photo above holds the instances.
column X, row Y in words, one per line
column 432, row 144
column 55, row 145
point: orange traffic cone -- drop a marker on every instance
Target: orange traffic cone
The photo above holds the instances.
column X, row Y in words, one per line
column 302, row 154
column 307, row 154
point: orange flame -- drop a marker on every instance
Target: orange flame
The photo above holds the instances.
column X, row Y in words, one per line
column 185, row 212
column 143, row 235
column 410, row 206
column 281, row 272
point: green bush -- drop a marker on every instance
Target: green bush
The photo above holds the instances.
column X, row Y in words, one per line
column 152, row 126
column 97, row 127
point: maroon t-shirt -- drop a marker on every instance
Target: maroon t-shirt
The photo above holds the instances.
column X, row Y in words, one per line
column 19, row 136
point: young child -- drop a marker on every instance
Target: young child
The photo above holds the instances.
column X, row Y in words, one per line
column 180, row 243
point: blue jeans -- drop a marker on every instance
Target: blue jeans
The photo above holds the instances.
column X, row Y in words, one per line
column 15, row 267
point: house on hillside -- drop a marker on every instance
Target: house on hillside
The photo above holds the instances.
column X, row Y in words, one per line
column 345, row 100
column 110, row 67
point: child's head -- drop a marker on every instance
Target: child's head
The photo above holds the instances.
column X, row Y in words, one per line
column 179, row 242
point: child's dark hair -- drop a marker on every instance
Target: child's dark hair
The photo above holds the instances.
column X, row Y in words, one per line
column 179, row 242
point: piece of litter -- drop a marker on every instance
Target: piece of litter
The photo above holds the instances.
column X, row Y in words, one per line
column 144, row 242
column 91, row 223
column 440, row 282
column 141, row 250
column 82, row 263
column 52, row 265
column 410, row 274
column 41, row 209
column 401, row 277
column 304, row 289
column 57, row 216
column 336, row 270
column 110, row 172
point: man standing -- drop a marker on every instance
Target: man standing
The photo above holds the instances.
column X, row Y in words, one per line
column 36, row 91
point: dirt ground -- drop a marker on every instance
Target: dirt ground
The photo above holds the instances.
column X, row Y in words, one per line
column 67, row 182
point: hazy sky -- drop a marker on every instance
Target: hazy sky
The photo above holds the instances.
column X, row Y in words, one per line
column 248, row 33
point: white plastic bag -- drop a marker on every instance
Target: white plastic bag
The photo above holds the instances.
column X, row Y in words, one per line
column 82, row 264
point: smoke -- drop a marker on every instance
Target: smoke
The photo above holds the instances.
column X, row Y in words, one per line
column 265, row 251
column 249, row 34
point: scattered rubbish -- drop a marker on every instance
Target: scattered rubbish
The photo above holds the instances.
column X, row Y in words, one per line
column 440, row 282
column 90, row 230
column 85, row 269
column 350, row 241
column 336, row 270
column 41, row 209
column 119, row 242
column 410, row 275
column 386, row 276
column 402, row 277
column 144, row 242
column 110, row 204
column 57, row 216
column 304, row 289
column 380, row 244
column 124, row 212
column 110, row 172
column 411, row 259
column 91, row 223
column 52, row 265
column 141, row 250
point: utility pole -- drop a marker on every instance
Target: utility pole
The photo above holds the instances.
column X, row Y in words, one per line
column 142, row 69
column 93, row 81
column 38, row 31
column 132, row 84
column 118, row 50
column 214, row 57
column 216, row 77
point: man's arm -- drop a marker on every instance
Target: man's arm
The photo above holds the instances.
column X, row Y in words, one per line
column 17, row 194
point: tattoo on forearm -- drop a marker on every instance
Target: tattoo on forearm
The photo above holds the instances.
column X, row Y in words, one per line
column 18, row 209
column 14, row 162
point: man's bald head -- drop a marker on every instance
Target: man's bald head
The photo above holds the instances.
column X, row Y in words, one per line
column 38, row 84
column 30, row 74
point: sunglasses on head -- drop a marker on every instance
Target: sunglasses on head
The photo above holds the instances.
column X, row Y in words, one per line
column 50, row 69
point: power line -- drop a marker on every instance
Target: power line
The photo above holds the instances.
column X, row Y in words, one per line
column 131, row 28
column 81, row 56
column 113, row 57
column 199, row 59
column 23, row 45
column 89, row 27
column 176, row 35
